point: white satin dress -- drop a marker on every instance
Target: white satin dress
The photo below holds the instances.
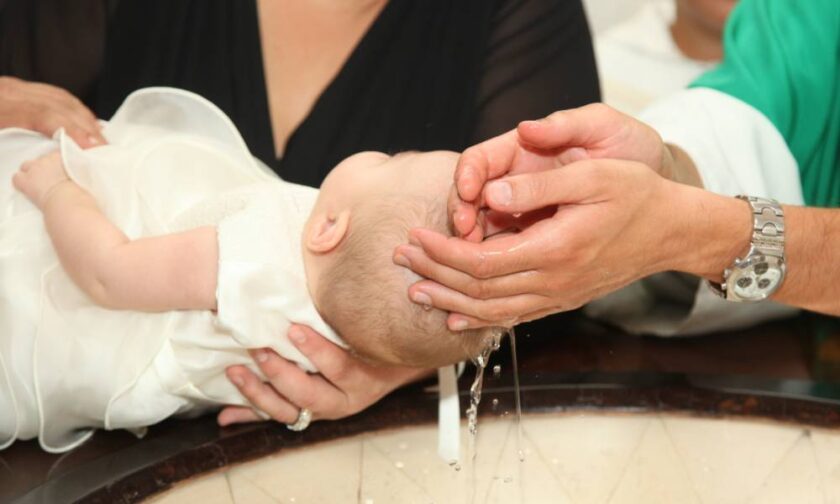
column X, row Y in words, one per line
column 174, row 162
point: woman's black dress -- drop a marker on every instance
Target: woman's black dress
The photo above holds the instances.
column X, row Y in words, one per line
column 428, row 75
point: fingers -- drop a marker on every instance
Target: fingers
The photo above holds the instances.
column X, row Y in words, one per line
column 504, row 311
column 45, row 109
column 261, row 395
column 513, row 253
column 334, row 363
column 461, row 320
column 237, row 414
column 414, row 258
column 85, row 133
column 580, row 127
column 463, row 216
column 298, row 387
column 576, row 183
column 483, row 162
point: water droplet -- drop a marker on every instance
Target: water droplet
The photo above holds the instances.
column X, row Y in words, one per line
column 402, row 446
column 399, row 465
column 508, row 479
column 495, row 403
column 521, row 456
column 497, row 370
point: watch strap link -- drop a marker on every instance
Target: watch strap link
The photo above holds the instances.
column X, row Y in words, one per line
column 768, row 235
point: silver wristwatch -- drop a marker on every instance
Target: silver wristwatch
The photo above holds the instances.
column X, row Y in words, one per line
column 761, row 272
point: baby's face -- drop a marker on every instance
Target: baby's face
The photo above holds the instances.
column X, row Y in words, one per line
column 373, row 173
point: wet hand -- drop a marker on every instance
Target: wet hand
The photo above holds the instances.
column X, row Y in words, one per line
column 45, row 109
column 609, row 226
column 590, row 132
column 345, row 385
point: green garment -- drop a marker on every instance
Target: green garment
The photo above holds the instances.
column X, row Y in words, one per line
column 782, row 57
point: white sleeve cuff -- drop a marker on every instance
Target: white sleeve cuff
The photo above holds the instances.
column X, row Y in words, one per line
column 736, row 149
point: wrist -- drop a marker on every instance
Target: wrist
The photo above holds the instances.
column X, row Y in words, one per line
column 52, row 191
column 711, row 232
column 678, row 166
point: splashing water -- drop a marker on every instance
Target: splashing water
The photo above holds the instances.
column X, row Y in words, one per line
column 517, row 398
column 481, row 361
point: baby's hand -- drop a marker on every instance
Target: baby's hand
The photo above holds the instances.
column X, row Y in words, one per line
column 37, row 178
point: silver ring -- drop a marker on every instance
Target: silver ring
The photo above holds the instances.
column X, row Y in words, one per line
column 303, row 420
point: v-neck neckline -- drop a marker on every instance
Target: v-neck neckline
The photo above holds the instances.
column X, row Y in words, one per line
column 374, row 27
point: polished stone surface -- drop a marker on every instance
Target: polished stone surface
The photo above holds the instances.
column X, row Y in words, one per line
column 576, row 458
column 785, row 372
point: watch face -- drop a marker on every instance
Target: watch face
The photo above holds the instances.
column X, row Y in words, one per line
column 756, row 278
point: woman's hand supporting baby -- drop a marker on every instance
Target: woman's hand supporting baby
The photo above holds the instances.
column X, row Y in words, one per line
column 45, row 108
column 345, row 385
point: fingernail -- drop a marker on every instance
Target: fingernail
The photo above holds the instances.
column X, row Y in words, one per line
column 421, row 298
column 93, row 140
column 297, row 335
column 237, row 380
column 261, row 356
column 500, row 192
column 412, row 239
column 458, row 325
column 402, row 260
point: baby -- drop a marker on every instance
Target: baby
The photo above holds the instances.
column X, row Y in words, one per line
column 178, row 252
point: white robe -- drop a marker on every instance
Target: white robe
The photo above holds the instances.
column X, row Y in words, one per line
column 174, row 162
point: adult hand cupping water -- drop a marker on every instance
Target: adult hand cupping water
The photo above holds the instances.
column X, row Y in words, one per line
column 345, row 385
column 609, row 222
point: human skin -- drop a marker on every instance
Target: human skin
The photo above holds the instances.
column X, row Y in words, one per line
column 304, row 45
column 178, row 271
column 612, row 222
column 698, row 27
column 45, row 109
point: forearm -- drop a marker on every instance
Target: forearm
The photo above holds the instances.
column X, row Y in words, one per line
column 715, row 229
column 812, row 254
column 150, row 274
column 84, row 239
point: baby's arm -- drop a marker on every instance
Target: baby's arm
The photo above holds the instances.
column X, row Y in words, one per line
column 170, row 272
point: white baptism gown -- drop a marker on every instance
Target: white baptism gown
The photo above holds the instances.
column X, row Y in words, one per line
column 174, row 162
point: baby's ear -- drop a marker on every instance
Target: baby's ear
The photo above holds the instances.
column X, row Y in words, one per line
column 327, row 231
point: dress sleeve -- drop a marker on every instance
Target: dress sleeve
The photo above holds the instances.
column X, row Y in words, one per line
column 262, row 286
column 539, row 59
column 781, row 58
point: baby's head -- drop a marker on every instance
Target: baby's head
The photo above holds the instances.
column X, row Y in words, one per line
column 366, row 207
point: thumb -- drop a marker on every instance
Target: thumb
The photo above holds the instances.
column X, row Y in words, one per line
column 575, row 183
